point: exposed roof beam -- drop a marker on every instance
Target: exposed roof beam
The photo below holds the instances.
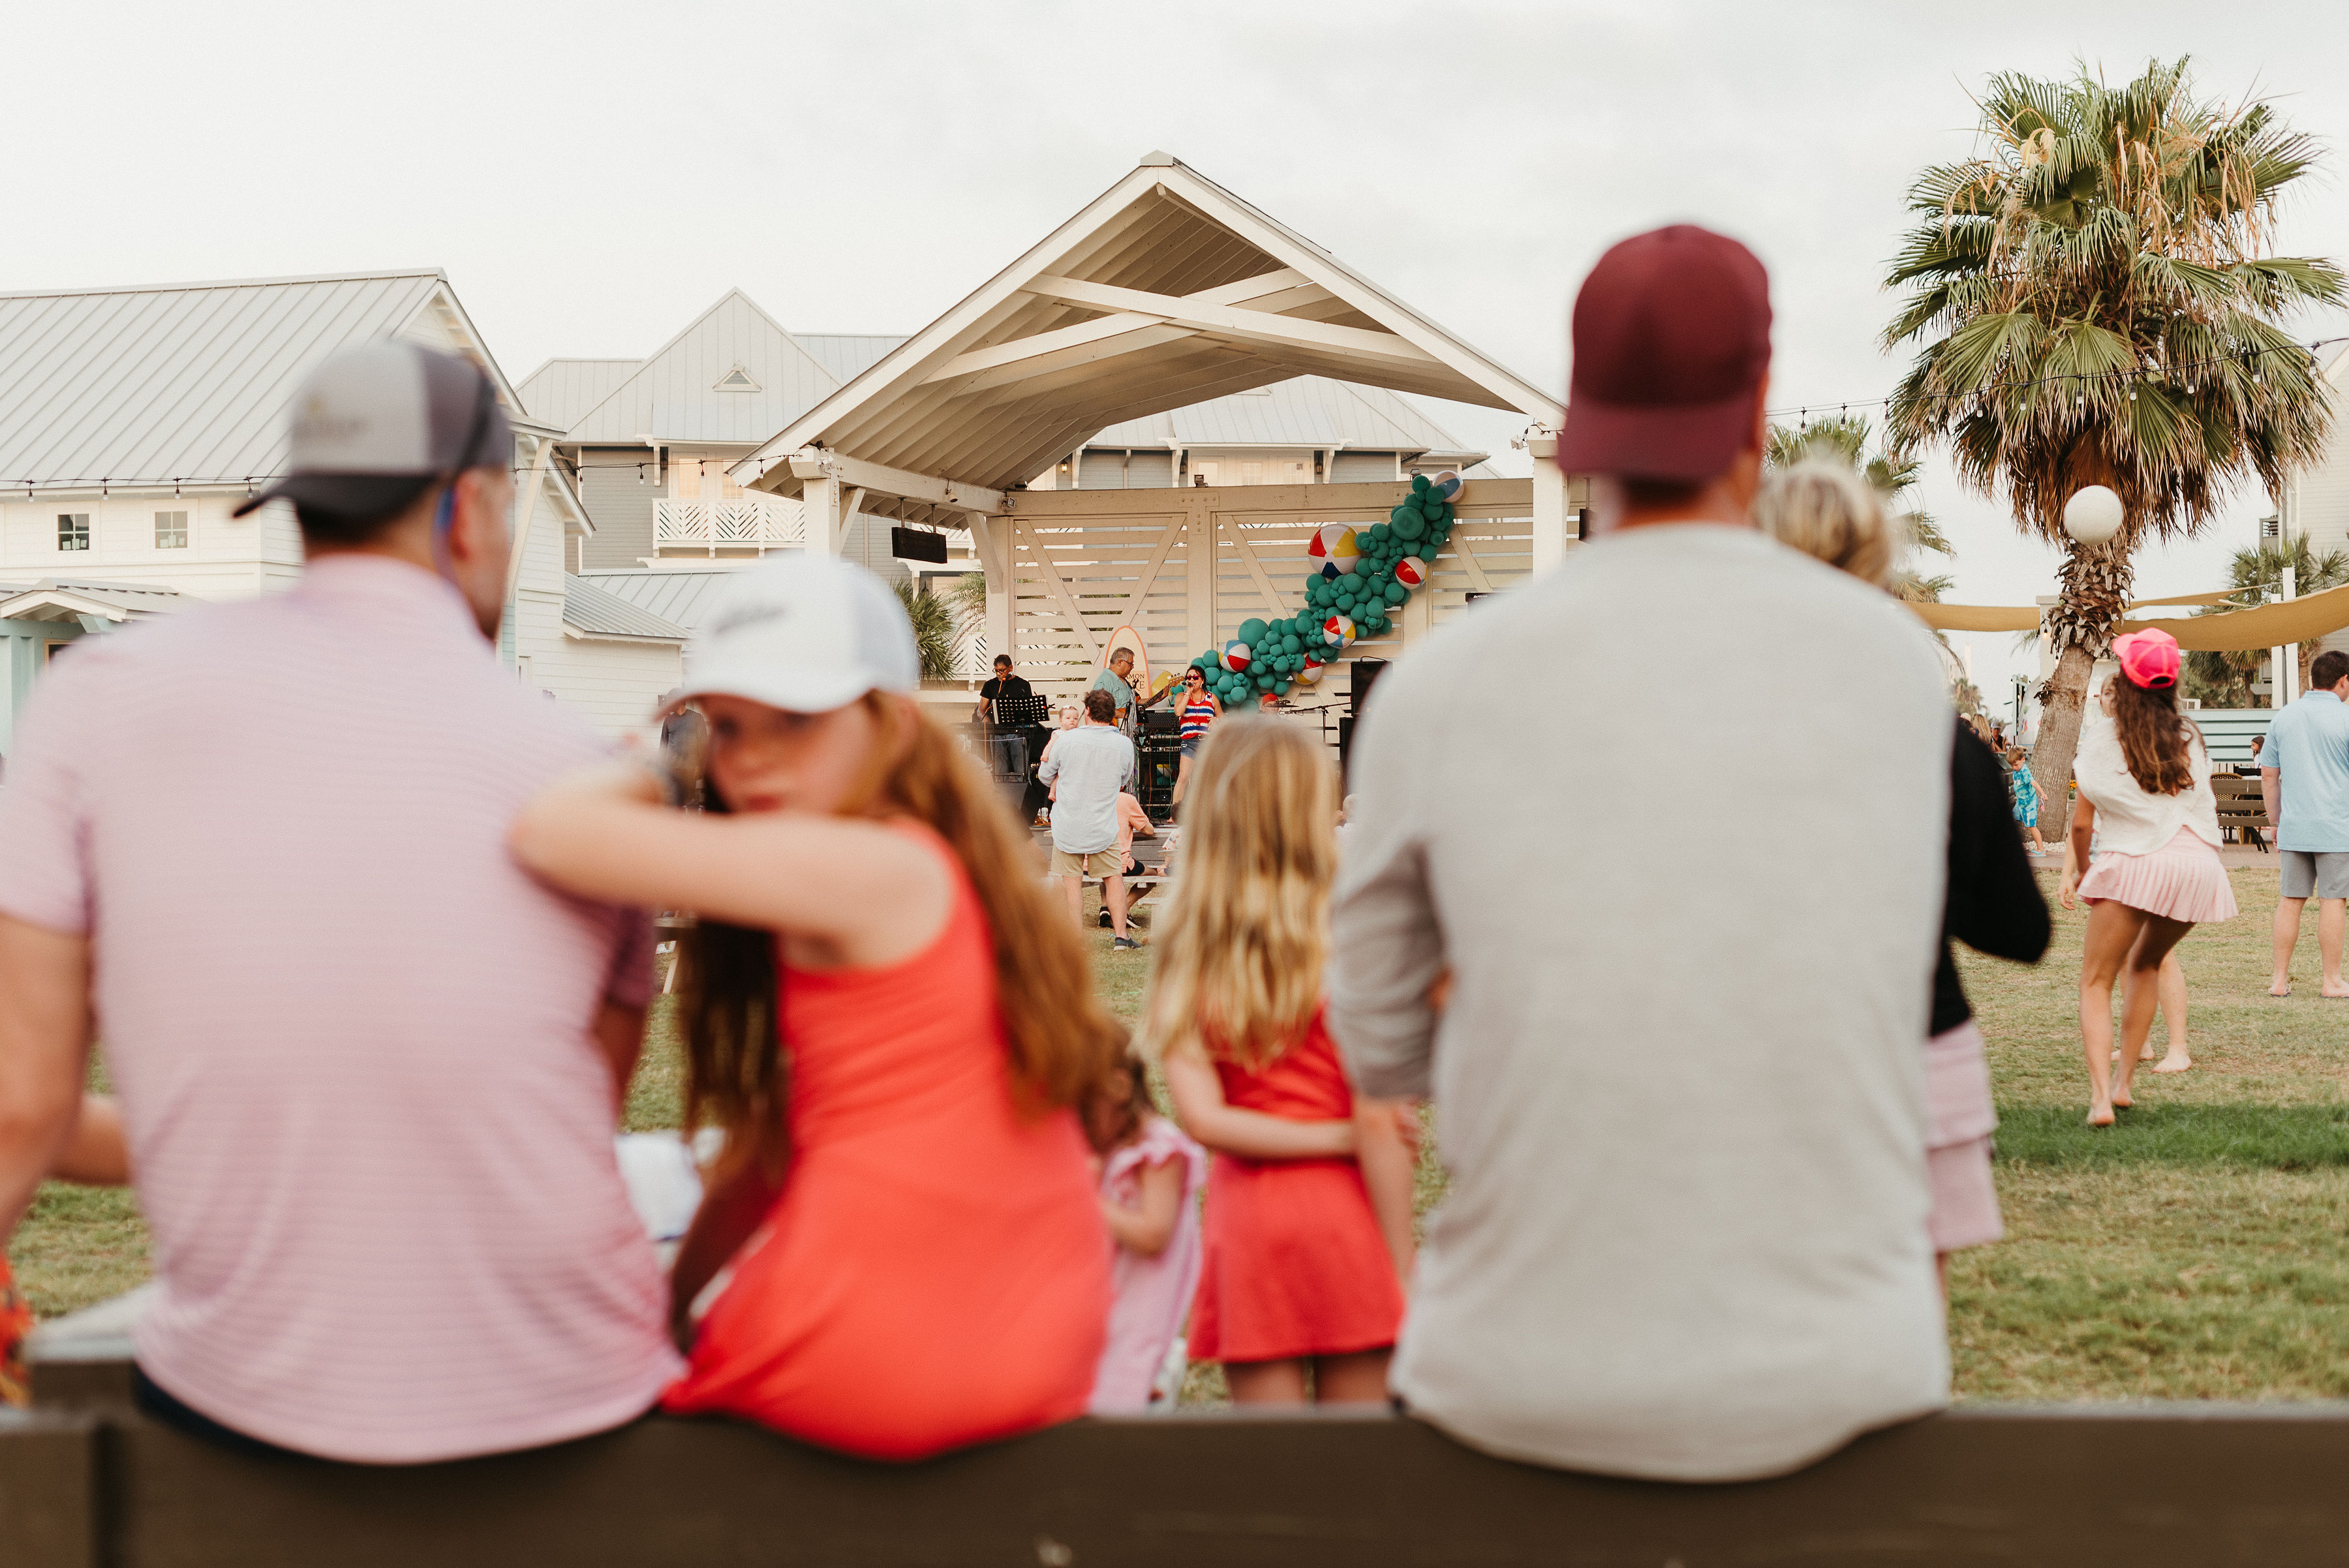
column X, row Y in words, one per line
column 1248, row 325
column 1100, row 338
column 811, row 462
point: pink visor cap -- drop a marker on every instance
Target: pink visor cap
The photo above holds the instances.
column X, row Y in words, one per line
column 2150, row 659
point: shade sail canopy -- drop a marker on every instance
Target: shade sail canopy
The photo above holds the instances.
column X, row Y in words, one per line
column 1166, row 291
column 2268, row 626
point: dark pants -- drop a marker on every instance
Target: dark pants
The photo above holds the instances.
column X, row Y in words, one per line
column 159, row 1406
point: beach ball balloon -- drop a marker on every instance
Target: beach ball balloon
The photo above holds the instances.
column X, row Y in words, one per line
column 1446, row 486
column 1236, row 655
column 1338, row 630
column 1410, row 571
column 1310, row 671
column 1335, row 548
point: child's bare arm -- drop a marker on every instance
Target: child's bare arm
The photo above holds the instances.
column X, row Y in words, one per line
column 1389, row 1159
column 1147, row 1227
column 1199, row 1105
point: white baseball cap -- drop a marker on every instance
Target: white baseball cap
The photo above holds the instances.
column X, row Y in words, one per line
column 804, row 633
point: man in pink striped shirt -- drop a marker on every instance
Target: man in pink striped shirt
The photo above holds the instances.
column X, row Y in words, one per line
column 368, row 1068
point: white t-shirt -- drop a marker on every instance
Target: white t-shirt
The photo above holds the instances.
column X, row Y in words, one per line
column 1092, row 762
column 1679, row 1088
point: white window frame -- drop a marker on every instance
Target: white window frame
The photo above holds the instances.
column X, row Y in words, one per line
column 186, row 533
column 89, row 534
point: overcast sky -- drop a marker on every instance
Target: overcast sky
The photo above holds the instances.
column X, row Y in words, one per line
column 592, row 176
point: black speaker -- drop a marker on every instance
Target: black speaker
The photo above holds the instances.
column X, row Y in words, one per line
column 917, row 545
column 1366, row 675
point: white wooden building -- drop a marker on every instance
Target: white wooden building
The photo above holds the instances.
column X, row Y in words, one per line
column 1166, row 292
column 133, row 420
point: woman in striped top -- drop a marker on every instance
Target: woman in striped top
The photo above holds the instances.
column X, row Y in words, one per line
column 1200, row 708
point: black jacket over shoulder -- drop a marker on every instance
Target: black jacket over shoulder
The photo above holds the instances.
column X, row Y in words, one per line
column 1993, row 904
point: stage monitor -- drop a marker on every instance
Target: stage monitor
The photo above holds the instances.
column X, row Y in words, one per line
column 1366, row 675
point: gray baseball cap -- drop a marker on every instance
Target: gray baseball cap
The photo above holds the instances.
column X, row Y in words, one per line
column 378, row 425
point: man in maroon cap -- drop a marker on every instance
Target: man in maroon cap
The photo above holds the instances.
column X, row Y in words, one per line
column 1678, row 1069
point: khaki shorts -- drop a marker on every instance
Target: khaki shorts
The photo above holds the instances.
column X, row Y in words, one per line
column 1099, row 863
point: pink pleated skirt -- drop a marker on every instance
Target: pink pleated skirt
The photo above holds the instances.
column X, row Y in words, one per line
column 2182, row 880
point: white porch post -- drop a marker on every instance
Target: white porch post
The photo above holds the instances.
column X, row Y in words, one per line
column 820, row 501
column 992, row 535
column 1550, row 499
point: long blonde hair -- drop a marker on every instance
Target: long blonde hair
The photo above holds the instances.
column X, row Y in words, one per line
column 1062, row 1042
column 1830, row 512
column 1241, row 947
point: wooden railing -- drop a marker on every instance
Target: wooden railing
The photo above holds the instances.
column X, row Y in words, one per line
column 765, row 522
column 84, row 1481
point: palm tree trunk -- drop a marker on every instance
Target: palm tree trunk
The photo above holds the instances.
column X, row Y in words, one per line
column 2094, row 585
column 2062, row 702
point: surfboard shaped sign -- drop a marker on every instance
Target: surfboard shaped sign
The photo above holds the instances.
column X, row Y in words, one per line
column 1130, row 641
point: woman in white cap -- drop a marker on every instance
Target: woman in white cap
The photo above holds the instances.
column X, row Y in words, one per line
column 889, row 1021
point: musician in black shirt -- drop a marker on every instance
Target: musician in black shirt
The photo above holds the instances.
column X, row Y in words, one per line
column 1005, row 684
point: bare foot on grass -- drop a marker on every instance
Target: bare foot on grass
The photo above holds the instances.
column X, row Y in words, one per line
column 2123, row 1100
column 2335, row 989
column 2280, row 988
column 2176, row 1062
column 2100, row 1115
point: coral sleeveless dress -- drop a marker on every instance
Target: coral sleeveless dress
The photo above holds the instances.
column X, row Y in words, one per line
column 1294, row 1264
column 935, row 1272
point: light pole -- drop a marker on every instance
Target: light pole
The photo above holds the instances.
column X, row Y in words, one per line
column 2020, row 685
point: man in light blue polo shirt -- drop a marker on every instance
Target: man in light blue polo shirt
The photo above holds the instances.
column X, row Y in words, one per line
column 2304, row 778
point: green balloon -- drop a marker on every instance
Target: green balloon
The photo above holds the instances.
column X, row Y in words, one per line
column 1397, row 592
column 1395, row 517
column 1410, row 528
column 1419, row 485
column 1289, row 642
column 1378, row 533
column 1264, row 681
column 1280, row 686
column 1251, row 631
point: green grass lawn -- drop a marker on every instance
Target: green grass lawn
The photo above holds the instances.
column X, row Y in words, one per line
column 2200, row 1249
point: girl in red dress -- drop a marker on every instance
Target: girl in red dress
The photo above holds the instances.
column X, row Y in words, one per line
column 900, row 1250
column 1308, row 1215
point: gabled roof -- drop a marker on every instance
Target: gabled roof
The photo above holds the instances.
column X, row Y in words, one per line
column 677, row 597
column 62, row 598
column 559, row 390
column 848, row 355
column 187, row 383
column 674, row 392
column 1166, row 290
column 589, row 610
column 1312, row 411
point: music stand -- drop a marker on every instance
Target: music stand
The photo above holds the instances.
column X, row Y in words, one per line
column 1022, row 713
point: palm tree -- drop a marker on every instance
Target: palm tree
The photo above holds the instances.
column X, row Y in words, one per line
column 2098, row 301
column 934, row 629
column 1844, row 439
column 2223, row 677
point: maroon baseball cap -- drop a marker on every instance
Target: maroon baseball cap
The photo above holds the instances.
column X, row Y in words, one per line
column 1672, row 339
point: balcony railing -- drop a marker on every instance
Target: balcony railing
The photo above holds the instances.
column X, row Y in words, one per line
column 742, row 522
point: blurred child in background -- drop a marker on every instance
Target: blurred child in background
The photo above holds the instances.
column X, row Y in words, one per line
column 1150, row 1181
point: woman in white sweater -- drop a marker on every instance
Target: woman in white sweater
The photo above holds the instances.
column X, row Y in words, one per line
column 2144, row 795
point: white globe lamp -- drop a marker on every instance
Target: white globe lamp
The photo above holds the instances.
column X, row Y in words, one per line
column 2092, row 516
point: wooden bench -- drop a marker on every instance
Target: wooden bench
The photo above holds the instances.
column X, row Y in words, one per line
column 2242, row 809
column 2145, row 1485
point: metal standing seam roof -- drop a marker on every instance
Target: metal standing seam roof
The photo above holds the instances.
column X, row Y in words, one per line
column 942, row 405
column 676, row 392
column 589, row 608
column 848, row 355
column 131, row 598
column 559, row 390
column 679, row 599
column 185, row 382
